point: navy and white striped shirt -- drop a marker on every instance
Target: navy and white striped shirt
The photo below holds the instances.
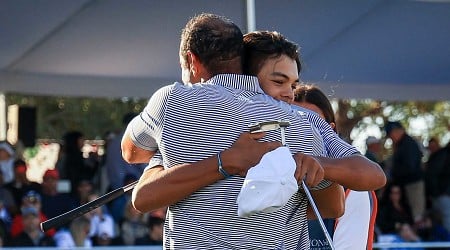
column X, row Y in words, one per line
column 189, row 123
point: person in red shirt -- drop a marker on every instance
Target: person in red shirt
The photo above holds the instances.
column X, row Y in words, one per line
column 30, row 199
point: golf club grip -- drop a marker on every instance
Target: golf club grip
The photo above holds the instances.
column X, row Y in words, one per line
column 78, row 211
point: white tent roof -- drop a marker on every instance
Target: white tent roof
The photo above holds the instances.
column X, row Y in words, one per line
column 392, row 50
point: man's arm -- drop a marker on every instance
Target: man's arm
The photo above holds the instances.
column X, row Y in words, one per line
column 159, row 187
column 132, row 153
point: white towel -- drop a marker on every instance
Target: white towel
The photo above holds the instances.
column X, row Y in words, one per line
column 269, row 185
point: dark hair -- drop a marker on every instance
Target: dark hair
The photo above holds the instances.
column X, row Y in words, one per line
column 385, row 199
column 262, row 45
column 216, row 41
column 312, row 94
column 391, row 126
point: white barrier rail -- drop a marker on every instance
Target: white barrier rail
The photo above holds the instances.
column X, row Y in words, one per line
column 412, row 245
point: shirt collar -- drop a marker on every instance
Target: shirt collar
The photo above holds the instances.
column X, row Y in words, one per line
column 235, row 81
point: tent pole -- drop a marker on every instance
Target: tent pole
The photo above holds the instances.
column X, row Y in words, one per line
column 251, row 17
column 3, row 122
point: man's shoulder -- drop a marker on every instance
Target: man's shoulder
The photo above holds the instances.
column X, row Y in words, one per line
column 188, row 89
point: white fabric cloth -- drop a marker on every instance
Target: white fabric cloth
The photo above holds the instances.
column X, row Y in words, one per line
column 269, row 185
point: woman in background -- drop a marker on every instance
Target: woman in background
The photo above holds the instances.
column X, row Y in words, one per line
column 354, row 229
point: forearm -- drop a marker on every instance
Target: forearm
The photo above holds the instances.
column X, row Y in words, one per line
column 159, row 187
column 330, row 201
column 355, row 172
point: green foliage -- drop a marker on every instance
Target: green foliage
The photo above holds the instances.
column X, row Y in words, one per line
column 94, row 117
column 422, row 120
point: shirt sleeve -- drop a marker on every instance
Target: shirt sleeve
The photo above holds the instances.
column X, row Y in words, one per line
column 156, row 160
column 334, row 145
column 146, row 128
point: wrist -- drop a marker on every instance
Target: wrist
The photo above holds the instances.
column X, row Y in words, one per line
column 220, row 168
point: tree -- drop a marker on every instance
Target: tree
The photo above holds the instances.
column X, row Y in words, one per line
column 422, row 120
column 96, row 116
column 92, row 116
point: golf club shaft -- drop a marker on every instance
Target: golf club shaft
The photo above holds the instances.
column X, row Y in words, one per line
column 79, row 211
column 317, row 213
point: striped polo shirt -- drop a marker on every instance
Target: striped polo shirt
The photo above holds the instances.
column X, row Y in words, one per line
column 188, row 123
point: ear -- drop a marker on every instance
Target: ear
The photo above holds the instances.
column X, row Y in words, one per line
column 194, row 64
column 333, row 125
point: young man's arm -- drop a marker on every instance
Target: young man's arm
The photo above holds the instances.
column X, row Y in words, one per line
column 355, row 172
column 330, row 201
column 159, row 187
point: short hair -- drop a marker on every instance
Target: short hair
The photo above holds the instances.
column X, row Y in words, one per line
column 312, row 94
column 215, row 40
column 262, row 45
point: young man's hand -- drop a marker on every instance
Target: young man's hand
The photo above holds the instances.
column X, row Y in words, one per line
column 308, row 169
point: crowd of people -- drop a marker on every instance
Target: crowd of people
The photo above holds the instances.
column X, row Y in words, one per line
column 24, row 204
column 413, row 206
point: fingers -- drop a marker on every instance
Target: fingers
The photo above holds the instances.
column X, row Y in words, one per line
column 268, row 146
column 255, row 136
column 308, row 169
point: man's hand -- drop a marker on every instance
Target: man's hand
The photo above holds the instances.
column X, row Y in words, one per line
column 246, row 152
column 310, row 167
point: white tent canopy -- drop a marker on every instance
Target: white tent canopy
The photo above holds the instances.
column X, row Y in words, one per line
column 390, row 50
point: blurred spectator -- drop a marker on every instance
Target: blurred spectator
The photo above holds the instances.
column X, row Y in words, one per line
column 406, row 233
column 155, row 232
column 32, row 236
column 74, row 166
column 117, row 206
column 393, row 209
column 84, row 189
column 76, row 236
column 54, row 203
column 103, row 227
column 7, row 161
column 373, row 149
column 116, row 167
column 407, row 167
column 8, row 204
column 431, row 229
column 30, row 199
column 5, row 225
column 434, row 165
column 21, row 184
column 134, row 225
column 438, row 180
